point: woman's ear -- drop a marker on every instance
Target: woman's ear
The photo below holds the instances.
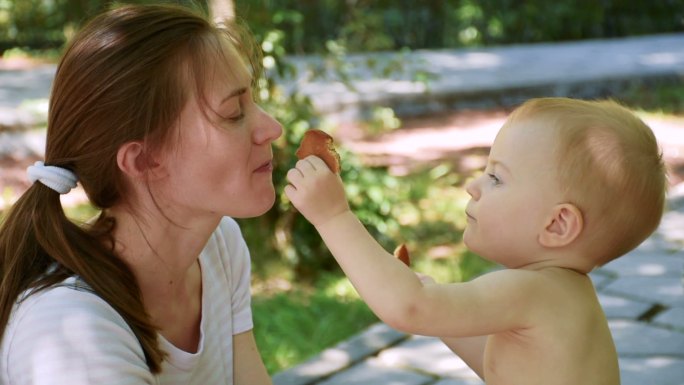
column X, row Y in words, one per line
column 564, row 225
column 135, row 162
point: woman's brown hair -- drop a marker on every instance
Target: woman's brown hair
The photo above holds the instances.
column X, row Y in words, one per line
column 125, row 76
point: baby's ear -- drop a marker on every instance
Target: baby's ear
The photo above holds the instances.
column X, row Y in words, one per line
column 564, row 225
column 134, row 161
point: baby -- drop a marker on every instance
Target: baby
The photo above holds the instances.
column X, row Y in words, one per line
column 569, row 185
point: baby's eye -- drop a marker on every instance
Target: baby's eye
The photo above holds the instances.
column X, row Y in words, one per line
column 494, row 179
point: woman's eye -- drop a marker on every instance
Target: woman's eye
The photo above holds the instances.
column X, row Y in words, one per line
column 495, row 179
column 236, row 117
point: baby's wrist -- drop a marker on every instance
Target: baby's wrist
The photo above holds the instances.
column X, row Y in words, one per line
column 333, row 222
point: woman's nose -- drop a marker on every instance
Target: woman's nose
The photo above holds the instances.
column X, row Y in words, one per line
column 267, row 128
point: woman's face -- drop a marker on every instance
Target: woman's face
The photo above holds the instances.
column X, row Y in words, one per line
column 221, row 161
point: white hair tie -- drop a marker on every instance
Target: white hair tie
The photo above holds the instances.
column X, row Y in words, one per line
column 56, row 178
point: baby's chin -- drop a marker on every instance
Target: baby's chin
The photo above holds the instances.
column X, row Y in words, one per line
column 479, row 251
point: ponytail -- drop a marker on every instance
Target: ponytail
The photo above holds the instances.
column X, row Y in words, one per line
column 41, row 247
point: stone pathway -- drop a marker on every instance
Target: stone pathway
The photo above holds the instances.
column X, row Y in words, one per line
column 496, row 76
column 642, row 295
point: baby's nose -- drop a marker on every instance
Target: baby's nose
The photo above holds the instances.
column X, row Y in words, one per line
column 472, row 188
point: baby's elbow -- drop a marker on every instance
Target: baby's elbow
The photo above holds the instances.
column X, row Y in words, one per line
column 405, row 317
column 399, row 323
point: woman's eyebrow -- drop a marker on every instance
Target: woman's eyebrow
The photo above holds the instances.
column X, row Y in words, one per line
column 234, row 93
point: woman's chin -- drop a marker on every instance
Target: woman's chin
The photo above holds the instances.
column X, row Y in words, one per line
column 257, row 208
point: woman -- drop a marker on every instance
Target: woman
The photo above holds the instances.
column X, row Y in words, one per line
column 152, row 112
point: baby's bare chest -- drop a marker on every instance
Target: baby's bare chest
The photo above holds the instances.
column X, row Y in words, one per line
column 566, row 353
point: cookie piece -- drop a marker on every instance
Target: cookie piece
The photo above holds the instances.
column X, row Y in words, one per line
column 401, row 252
column 320, row 144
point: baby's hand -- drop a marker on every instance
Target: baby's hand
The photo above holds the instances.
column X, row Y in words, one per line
column 315, row 191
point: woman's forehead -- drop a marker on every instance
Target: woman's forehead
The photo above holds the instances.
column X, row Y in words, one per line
column 224, row 71
column 227, row 77
column 229, row 58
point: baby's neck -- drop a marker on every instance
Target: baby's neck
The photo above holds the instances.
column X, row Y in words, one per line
column 577, row 265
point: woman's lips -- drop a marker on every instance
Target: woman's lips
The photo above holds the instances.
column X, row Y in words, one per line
column 265, row 167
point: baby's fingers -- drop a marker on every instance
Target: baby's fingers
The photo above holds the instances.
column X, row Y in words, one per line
column 291, row 193
column 294, row 176
column 296, row 190
column 315, row 163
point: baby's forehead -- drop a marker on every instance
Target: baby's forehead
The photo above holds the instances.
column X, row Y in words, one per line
column 530, row 134
column 527, row 148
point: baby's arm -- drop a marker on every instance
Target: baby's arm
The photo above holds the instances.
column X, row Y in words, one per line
column 489, row 304
column 470, row 349
column 378, row 276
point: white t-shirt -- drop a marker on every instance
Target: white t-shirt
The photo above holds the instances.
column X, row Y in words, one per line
column 69, row 335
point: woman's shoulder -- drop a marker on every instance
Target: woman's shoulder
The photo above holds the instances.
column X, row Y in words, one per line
column 74, row 329
column 69, row 314
column 226, row 253
column 61, row 309
column 72, row 297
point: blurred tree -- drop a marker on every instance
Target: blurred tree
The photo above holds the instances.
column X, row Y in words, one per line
column 375, row 25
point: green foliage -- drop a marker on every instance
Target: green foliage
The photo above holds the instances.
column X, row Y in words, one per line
column 379, row 25
column 371, row 192
column 295, row 325
column 663, row 99
column 30, row 22
column 47, row 24
column 283, row 233
column 81, row 213
column 372, row 25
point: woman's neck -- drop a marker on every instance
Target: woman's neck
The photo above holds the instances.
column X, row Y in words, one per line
column 160, row 253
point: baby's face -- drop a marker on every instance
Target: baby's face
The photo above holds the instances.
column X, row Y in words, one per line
column 511, row 201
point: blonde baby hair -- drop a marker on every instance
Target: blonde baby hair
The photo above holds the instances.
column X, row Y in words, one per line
column 609, row 165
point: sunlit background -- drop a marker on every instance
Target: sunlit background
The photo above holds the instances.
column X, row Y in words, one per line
column 404, row 169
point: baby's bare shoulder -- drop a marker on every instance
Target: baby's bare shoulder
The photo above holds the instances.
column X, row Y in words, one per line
column 543, row 288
